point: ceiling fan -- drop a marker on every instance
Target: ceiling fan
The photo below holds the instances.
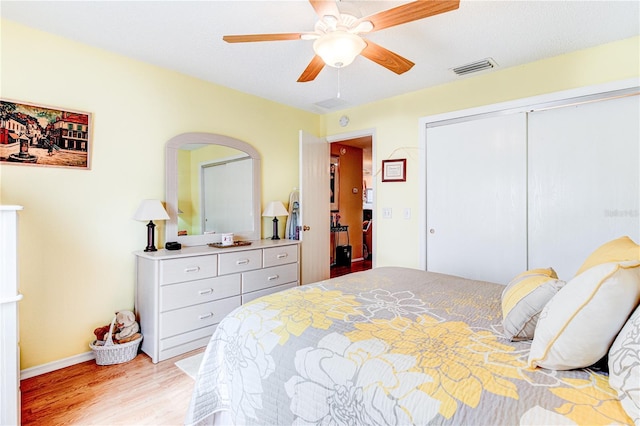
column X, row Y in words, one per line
column 338, row 37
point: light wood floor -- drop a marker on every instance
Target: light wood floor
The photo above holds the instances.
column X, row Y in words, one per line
column 137, row 392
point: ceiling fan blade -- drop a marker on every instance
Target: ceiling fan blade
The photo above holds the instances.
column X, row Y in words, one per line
column 325, row 7
column 410, row 12
column 246, row 38
column 312, row 70
column 386, row 58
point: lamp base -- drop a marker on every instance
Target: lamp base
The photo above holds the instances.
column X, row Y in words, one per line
column 275, row 229
column 150, row 237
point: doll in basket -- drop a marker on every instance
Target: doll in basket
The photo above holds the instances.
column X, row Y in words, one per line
column 126, row 328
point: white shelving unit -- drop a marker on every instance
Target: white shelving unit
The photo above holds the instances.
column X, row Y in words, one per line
column 9, row 333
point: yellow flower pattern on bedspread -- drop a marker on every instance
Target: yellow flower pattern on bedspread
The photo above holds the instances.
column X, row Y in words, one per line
column 597, row 404
column 379, row 354
column 462, row 362
column 314, row 307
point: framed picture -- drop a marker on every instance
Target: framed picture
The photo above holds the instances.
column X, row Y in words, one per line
column 394, row 170
column 36, row 135
column 334, row 183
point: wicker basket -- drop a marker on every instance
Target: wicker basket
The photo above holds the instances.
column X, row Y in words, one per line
column 111, row 353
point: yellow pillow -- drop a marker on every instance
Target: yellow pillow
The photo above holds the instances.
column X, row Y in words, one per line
column 619, row 250
column 524, row 298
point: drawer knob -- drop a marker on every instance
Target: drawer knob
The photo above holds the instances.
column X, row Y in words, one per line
column 282, row 255
column 205, row 316
column 273, row 277
column 205, row 291
column 242, row 262
column 192, row 269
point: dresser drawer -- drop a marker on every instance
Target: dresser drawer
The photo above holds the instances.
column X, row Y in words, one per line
column 239, row 261
column 187, row 269
column 247, row 297
column 185, row 342
column 174, row 296
column 274, row 256
column 269, row 277
column 197, row 316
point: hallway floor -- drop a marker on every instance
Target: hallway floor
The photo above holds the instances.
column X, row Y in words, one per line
column 356, row 266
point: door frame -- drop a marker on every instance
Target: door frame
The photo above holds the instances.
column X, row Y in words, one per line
column 371, row 132
column 549, row 100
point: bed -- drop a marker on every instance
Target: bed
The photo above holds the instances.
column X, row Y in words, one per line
column 388, row 346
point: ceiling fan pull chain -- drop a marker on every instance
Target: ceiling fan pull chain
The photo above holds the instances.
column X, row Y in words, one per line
column 338, row 96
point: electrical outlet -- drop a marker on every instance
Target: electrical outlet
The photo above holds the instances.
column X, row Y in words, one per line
column 386, row 213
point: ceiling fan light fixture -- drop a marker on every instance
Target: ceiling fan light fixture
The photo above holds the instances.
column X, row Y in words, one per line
column 338, row 48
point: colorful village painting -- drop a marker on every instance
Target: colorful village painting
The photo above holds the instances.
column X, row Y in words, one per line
column 42, row 136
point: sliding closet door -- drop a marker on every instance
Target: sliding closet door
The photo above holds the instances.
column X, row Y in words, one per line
column 584, row 181
column 476, row 198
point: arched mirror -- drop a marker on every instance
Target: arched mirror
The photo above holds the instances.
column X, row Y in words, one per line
column 213, row 187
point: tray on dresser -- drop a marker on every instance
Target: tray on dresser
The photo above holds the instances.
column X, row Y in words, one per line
column 235, row 244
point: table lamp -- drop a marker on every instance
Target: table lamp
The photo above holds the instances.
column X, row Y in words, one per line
column 150, row 210
column 275, row 209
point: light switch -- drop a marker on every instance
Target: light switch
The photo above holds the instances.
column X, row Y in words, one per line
column 407, row 213
column 386, row 212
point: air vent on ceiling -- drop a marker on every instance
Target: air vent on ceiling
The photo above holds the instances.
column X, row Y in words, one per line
column 332, row 103
column 484, row 64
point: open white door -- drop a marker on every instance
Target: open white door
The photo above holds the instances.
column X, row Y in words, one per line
column 314, row 208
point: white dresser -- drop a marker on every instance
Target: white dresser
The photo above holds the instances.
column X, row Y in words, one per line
column 182, row 295
column 9, row 335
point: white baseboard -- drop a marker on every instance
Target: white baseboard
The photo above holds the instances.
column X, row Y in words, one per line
column 56, row 365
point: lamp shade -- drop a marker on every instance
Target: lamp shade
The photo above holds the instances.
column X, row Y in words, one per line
column 275, row 208
column 338, row 48
column 151, row 210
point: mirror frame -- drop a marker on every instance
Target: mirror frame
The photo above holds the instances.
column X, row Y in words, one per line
column 171, row 176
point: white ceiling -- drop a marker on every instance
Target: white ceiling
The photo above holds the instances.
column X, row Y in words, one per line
column 186, row 36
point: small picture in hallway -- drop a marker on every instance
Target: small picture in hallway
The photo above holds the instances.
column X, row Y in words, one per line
column 43, row 136
column 394, row 170
column 334, row 184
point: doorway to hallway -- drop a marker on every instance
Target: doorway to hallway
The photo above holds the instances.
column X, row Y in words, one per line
column 351, row 222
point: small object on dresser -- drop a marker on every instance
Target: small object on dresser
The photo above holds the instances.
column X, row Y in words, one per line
column 227, row 239
column 172, row 245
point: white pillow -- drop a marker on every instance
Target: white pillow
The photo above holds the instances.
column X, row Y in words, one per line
column 523, row 299
column 578, row 325
column 624, row 366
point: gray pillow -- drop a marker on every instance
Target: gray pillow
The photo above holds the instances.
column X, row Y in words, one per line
column 524, row 298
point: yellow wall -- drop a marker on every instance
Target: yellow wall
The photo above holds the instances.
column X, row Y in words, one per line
column 76, row 231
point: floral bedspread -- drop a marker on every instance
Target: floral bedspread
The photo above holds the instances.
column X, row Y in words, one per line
column 389, row 346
